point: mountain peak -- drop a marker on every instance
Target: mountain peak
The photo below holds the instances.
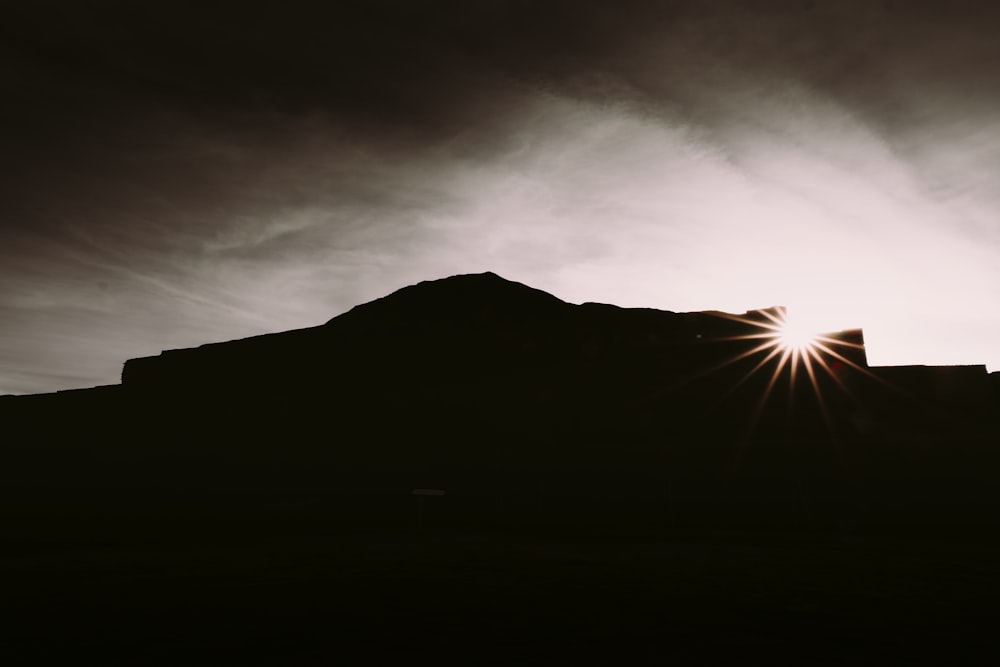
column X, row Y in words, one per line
column 461, row 293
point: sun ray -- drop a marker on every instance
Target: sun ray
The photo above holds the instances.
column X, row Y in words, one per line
column 688, row 379
column 762, row 400
column 797, row 346
column 840, row 343
column 821, row 400
column 788, row 352
column 784, row 361
column 839, row 357
column 833, row 375
column 793, row 353
column 793, row 366
column 775, row 351
column 778, row 322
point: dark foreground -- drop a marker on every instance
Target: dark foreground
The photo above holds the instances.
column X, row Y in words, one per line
column 494, row 599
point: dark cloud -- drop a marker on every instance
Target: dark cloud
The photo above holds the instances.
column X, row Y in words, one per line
column 78, row 71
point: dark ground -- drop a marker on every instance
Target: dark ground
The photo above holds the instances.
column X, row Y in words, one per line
column 739, row 599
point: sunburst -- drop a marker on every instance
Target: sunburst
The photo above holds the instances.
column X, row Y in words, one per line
column 782, row 346
column 788, row 345
column 796, row 336
column 779, row 350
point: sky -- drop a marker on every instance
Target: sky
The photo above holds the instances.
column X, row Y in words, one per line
column 178, row 173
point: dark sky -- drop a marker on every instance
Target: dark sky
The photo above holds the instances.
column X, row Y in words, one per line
column 176, row 173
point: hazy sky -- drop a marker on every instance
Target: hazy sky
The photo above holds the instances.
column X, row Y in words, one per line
column 177, row 173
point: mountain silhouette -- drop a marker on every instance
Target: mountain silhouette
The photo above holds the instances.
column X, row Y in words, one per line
column 530, row 413
column 471, row 462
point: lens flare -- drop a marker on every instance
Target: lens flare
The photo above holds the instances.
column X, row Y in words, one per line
column 789, row 348
column 796, row 335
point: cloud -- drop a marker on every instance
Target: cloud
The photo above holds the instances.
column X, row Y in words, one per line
column 189, row 181
column 793, row 200
column 797, row 200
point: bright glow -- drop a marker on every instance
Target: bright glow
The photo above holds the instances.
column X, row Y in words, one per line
column 796, row 335
column 787, row 346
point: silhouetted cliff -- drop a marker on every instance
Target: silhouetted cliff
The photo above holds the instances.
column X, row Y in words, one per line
column 527, row 410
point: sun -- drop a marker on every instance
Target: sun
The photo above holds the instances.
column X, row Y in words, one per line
column 796, row 336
